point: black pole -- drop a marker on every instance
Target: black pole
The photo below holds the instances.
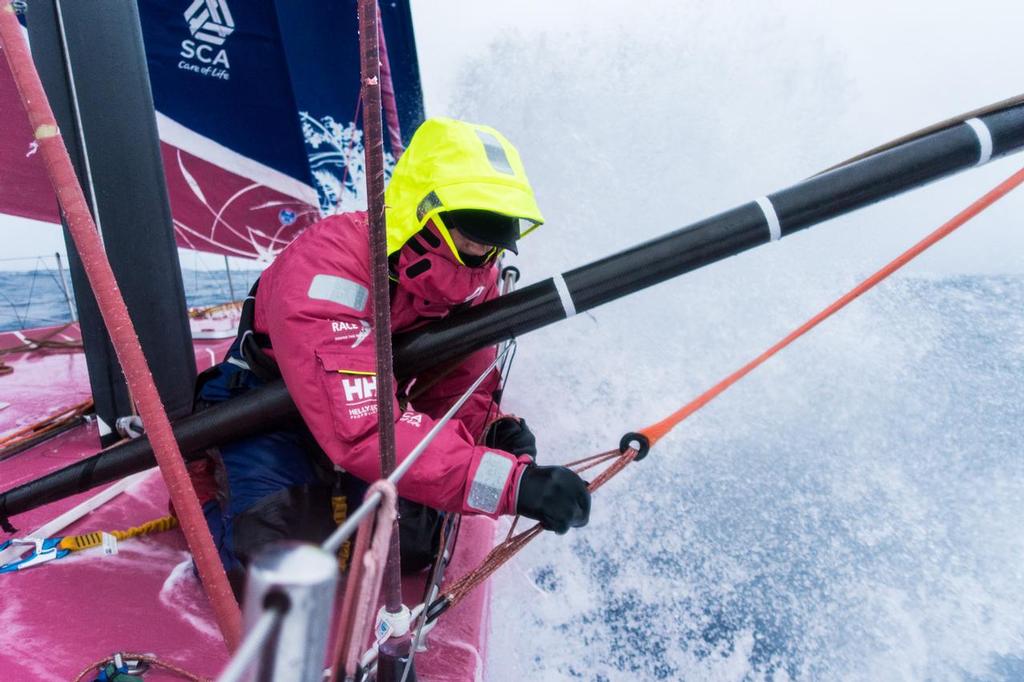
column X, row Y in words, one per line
column 89, row 55
column 808, row 203
column 820, row 198
column 269, row 411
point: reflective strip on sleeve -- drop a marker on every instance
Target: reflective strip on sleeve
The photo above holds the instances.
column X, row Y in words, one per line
column 489, row 482
column 339, row 290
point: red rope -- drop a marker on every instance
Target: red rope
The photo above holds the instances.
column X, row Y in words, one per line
column 656, row 431
column 373, row 147
column 119, row 325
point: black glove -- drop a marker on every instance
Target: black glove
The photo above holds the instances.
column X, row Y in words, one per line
column 555, row 496
column 511, row 434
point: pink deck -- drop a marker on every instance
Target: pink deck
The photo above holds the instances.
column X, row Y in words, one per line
column 44, row 383
column 57, row 618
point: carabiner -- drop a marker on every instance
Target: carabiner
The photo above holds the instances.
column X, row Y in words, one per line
column 43, row 551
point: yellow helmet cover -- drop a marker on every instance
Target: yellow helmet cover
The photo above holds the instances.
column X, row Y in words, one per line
column 453, row 165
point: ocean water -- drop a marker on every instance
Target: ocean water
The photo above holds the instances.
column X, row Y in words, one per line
column 35, row 298
column 850, row 511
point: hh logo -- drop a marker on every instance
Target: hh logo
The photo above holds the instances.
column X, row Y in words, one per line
column 359, row 388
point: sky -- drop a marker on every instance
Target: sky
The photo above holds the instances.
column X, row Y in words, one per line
column 795, row 87
column 852, row 75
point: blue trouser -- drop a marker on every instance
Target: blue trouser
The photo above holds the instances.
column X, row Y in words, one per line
column 270, row 485
column 279, row 485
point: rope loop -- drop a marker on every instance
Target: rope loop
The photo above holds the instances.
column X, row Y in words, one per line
column 638, row 442
column 615, row 460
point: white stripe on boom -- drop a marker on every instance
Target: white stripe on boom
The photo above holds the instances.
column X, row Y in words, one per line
column 984, row 139
column 564, row 295
column 774, row 228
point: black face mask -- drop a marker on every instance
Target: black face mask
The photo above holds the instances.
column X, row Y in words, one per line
column 476, row 261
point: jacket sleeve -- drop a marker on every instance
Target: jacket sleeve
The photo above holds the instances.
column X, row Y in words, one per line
column 479, row 410
column 320, row 328
column 435, row 391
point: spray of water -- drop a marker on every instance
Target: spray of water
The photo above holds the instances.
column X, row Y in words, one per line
column 852, row 510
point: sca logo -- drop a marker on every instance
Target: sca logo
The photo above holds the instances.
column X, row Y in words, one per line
column 210, row 23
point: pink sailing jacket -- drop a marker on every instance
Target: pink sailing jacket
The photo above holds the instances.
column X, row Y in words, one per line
column 314, row 303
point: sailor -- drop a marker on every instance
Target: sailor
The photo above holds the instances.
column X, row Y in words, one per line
column 457, row 199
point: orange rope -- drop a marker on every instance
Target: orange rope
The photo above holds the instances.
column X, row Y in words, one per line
column 198, row 313
column 514, row 543
column 656, row 431
column 38, row 429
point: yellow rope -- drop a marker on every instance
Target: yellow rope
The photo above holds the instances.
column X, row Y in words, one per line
column 95, row 539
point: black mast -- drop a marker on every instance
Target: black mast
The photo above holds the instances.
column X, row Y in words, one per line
column 91, row 60
column 887, row 173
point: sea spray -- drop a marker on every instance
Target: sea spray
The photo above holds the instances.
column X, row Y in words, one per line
column 850, row 511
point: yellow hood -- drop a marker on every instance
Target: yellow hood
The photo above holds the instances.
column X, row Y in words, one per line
column 451, row 165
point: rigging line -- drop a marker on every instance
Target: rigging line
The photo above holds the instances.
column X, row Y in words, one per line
column 509, row 277
column 446, row 549
column 656, row 431
column 502, row 553
column 14, row 309
column 31, row 292
column 388, row 100
column 18, row 258
column 373, row 168
column 86, row 164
